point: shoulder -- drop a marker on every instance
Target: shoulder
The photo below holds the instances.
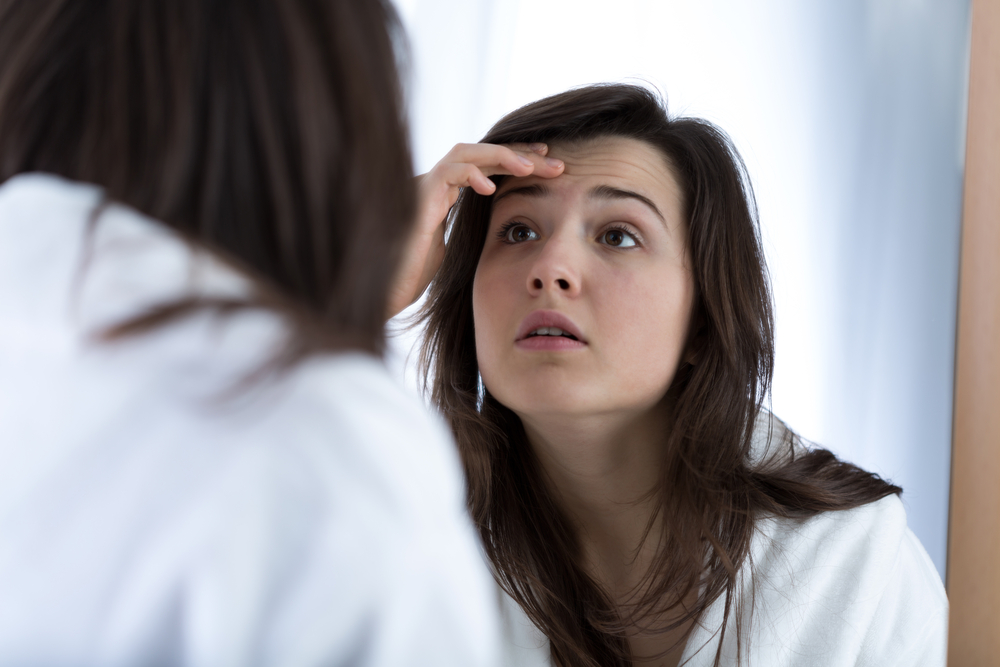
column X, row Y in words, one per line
column 360, row 507
column 186, row 390
column 323, row 505
column 351, row 409
column 343, row 509
column 847, row 587
column 863, row 538
column 859, row 579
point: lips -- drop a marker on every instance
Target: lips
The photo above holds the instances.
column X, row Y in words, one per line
column 547, row 321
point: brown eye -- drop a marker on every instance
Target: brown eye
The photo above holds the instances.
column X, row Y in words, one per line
column 519, row 234
column 618, row 238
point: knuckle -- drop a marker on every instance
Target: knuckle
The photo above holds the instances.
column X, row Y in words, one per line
column 468, row 173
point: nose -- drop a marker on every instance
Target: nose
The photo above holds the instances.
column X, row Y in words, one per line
column 556, row 269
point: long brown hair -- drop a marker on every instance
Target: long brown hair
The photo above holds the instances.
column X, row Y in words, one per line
column 269, row 131
column 711, row 493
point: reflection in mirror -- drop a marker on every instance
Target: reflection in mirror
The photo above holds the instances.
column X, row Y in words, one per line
column 850, row 118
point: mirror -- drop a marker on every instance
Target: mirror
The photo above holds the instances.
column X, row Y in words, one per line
column 850, row 117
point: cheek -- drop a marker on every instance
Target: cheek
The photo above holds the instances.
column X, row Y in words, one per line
column 649, row 317
column 489, row 304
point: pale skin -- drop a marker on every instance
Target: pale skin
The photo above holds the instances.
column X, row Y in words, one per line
column 601, row 241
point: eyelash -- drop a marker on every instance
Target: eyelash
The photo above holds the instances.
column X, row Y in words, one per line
column 624, row 230
column 506, row 227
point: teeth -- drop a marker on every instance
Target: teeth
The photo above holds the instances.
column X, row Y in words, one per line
column 548, row 331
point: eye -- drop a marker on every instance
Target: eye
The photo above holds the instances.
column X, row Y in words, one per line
column 516, row 232
column 618, row 238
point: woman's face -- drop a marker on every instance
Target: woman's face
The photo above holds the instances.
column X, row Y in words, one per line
column 599, row 253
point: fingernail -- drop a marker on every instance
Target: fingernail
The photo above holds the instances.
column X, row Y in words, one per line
column 525, row 161
column 538, row 148
column 554, row 163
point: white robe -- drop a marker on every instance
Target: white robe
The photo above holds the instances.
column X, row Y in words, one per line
column 146, row 518
column 840, row 589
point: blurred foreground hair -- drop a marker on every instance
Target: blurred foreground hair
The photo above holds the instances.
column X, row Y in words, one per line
column 268, row 131
column 711, row 493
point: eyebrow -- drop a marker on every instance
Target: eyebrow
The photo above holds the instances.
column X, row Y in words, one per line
column 608, row 192
column 537, row 190
column 599, row 192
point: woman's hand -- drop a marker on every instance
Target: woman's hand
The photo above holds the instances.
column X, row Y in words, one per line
column 465, row 166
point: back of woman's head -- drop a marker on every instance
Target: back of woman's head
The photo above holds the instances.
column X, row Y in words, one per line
column 269, row 131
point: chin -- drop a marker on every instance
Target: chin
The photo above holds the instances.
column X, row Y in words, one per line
column 548, row 409
column 539, row 400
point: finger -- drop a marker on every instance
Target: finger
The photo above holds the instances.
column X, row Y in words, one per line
column 461, row 151
column 493, row 159
column 481, row 184
column 526, row 164
column 537, row 148
column 545, row 167
column 464, row 175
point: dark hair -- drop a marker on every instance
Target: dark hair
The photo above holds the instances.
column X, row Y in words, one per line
column 711, row 493
column 269, row 131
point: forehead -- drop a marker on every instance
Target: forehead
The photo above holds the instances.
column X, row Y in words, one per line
column 617, row 161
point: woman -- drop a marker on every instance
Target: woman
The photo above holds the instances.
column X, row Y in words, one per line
column 600, row 340
column 203, row 460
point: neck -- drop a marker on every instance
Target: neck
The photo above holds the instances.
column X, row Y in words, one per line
column 604, row 470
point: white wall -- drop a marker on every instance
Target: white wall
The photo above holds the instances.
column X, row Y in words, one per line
column 849, row 115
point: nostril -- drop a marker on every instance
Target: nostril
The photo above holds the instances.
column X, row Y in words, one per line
column 537, row 283
column 563, row 284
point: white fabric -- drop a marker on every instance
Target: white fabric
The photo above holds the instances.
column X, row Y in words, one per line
column 849, row 588
column 148, row 518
